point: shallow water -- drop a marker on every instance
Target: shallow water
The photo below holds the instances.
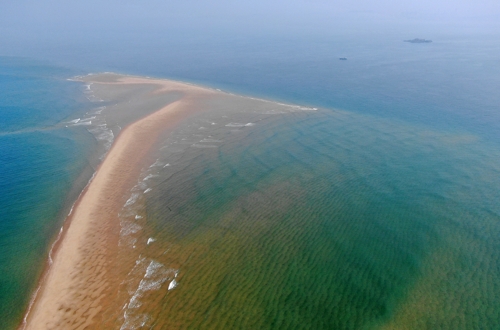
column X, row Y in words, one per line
column 322, row 220
column 381, row 215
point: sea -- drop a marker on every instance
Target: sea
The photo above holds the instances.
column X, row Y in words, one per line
column 378, row 210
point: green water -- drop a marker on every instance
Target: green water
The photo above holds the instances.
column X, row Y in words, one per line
column 318, row 220
column 327, row 220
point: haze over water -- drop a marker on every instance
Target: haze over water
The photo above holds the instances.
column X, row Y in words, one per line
column 379, row 210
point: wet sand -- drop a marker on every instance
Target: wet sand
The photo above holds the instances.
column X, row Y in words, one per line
column 78, row 285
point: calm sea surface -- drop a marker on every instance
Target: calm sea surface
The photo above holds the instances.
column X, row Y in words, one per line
column 40, row 160
column 378, row 211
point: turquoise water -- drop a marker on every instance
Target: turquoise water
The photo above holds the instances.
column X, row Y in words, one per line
column 383, row 214
column 39, row 163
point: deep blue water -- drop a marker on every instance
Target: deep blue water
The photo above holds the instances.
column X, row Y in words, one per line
column 435, row 110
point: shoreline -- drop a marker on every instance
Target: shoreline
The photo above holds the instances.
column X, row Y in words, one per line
column 53, row 249
column 62, row 291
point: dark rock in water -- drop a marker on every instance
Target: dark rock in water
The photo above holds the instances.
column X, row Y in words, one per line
column 343, row 58
column 418, row 41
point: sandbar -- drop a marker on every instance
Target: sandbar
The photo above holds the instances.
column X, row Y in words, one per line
column 76, row 286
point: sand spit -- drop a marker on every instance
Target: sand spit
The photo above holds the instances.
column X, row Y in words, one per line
column 82, row 287
column 78, row 285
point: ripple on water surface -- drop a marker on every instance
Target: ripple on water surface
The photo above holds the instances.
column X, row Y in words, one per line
column 320, row 220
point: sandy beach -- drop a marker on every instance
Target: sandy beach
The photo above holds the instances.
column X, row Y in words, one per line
column 78, row 284
column 88, row 281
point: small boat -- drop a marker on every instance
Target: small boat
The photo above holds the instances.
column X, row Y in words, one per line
column 343, row 58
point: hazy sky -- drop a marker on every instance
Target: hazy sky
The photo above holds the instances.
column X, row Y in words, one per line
column 36, row 24
column 36, row 16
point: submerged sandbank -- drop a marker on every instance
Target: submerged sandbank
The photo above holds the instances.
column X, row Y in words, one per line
column 78, row 284
column 83, row 286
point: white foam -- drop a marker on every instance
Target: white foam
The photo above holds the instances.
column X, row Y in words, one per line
column 150, row 285
column 134, row 302
column 172, row 285
column 153, row 266
column 203, row 146
column 273, row 112
column 134, row 322
column 51, row 261
column 141, row 186
column 299, row 107
column 102, row 133
column 150, row 240
column 156, row 273
column 88, row 119
column 147, row 190
column 99, row 129
column 239, row 125
column 87, row 123
column 129, row 228
column 149, row 176
column 132, row 199
column 157, row 163
column 137, row 217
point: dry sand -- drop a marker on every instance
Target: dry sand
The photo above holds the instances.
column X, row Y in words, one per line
column 77, row 286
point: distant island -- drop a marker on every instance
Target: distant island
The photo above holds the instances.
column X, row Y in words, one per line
column 418, row 41
column 343, row 58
